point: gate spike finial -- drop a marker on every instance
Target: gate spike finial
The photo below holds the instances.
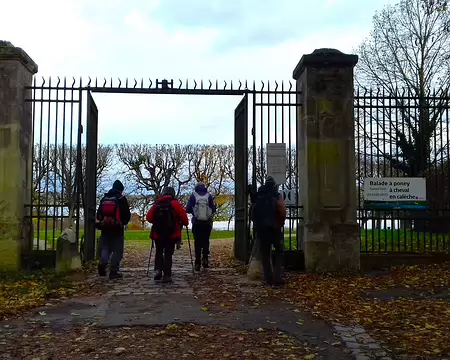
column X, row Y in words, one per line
column 276, row 85
column 120, row 82
column 290, row 85
column 89, row 82
column 210, row 85
column 195, row 84
column 104, row 84
column 43, row 81
column 225, row 84
column 181, row 83
column 151, row 83
column 262, row 87
column 126, row 83
column 142, row 83
column 240, row 85
column 73, row 83
column 135, row 83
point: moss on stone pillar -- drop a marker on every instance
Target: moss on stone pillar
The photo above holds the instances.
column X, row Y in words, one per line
column 16, row 72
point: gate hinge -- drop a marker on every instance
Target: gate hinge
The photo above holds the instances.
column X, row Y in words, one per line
column 253, row 131
column 81, row 129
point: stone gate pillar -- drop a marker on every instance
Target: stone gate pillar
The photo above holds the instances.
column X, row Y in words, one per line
column 16, row 72
column 326, row 159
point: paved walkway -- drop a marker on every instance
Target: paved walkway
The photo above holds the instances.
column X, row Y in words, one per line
column 213, row 297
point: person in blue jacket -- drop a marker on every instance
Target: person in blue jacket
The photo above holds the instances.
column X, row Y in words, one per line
column 201, row 206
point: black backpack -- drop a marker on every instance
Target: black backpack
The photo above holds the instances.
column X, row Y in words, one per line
column 264, row 210
column 164, row 223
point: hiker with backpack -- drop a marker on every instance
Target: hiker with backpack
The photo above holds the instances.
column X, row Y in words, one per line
column 113, row 214
column 167, row 217
column 201, row 206
column 269, row 215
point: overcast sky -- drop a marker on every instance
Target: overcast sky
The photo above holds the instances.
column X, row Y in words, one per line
column 209, row 39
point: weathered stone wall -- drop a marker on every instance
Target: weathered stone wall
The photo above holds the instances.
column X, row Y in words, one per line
column 16, row 72
column 325, row 139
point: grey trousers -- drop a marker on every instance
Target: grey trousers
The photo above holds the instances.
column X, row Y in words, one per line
column 111, row 247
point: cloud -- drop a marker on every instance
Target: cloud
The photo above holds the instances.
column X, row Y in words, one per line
column 217, row 39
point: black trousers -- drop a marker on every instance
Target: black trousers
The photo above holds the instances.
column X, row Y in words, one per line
column 201, row 232
column 164, row 249
column 268, row 238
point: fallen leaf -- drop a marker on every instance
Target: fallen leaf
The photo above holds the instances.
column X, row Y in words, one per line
column 119, row 350
column 309, row 357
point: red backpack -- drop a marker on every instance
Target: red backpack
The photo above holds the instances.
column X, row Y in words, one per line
column 110, row 214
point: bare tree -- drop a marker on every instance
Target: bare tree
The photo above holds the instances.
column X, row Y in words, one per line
column 153, row 167
column 435, row 5
column 407, row 49
column 141, row 204
column 64, row 169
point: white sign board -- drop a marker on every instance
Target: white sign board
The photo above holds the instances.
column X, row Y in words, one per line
column 289, row 196
column 276, row 162
column 395, row 189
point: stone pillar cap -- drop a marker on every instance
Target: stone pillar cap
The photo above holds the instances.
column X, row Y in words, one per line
column 324, row 57
column 9, row 52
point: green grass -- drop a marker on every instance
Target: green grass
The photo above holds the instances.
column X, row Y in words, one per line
column 385, row 240
column 371, row 240
column 143, row 235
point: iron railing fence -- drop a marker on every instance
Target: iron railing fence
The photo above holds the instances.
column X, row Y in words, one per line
column 402, row 134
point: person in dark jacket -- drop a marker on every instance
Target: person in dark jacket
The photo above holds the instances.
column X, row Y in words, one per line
column 113, row 214
column 268, row 221
column 201, row 206
column 167, row 217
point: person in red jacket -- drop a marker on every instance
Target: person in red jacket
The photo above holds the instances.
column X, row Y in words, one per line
column 167, row 217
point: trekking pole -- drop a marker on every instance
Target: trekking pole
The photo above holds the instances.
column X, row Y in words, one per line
column 149, row 258
column 190, row 250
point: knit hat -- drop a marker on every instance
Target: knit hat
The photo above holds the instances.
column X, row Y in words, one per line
column 270, row 181
column 169, row 190
column 118, row 186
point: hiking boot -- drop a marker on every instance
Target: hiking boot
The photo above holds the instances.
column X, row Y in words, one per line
column 167, row 279
column 205, row 263
column 158, row 275
column 197, row 267
column 101, row 270
column 115, row 275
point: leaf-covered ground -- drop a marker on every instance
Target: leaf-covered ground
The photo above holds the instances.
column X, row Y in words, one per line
column 407, row 308
column 21, row 292
column 187, row 341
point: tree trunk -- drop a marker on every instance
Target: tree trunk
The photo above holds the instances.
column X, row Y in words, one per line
column 229, row 221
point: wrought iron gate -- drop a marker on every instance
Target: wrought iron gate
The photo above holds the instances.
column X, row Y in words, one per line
column 58, row 129
column 91, row 178
column 56, row 160
column 242, row 247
